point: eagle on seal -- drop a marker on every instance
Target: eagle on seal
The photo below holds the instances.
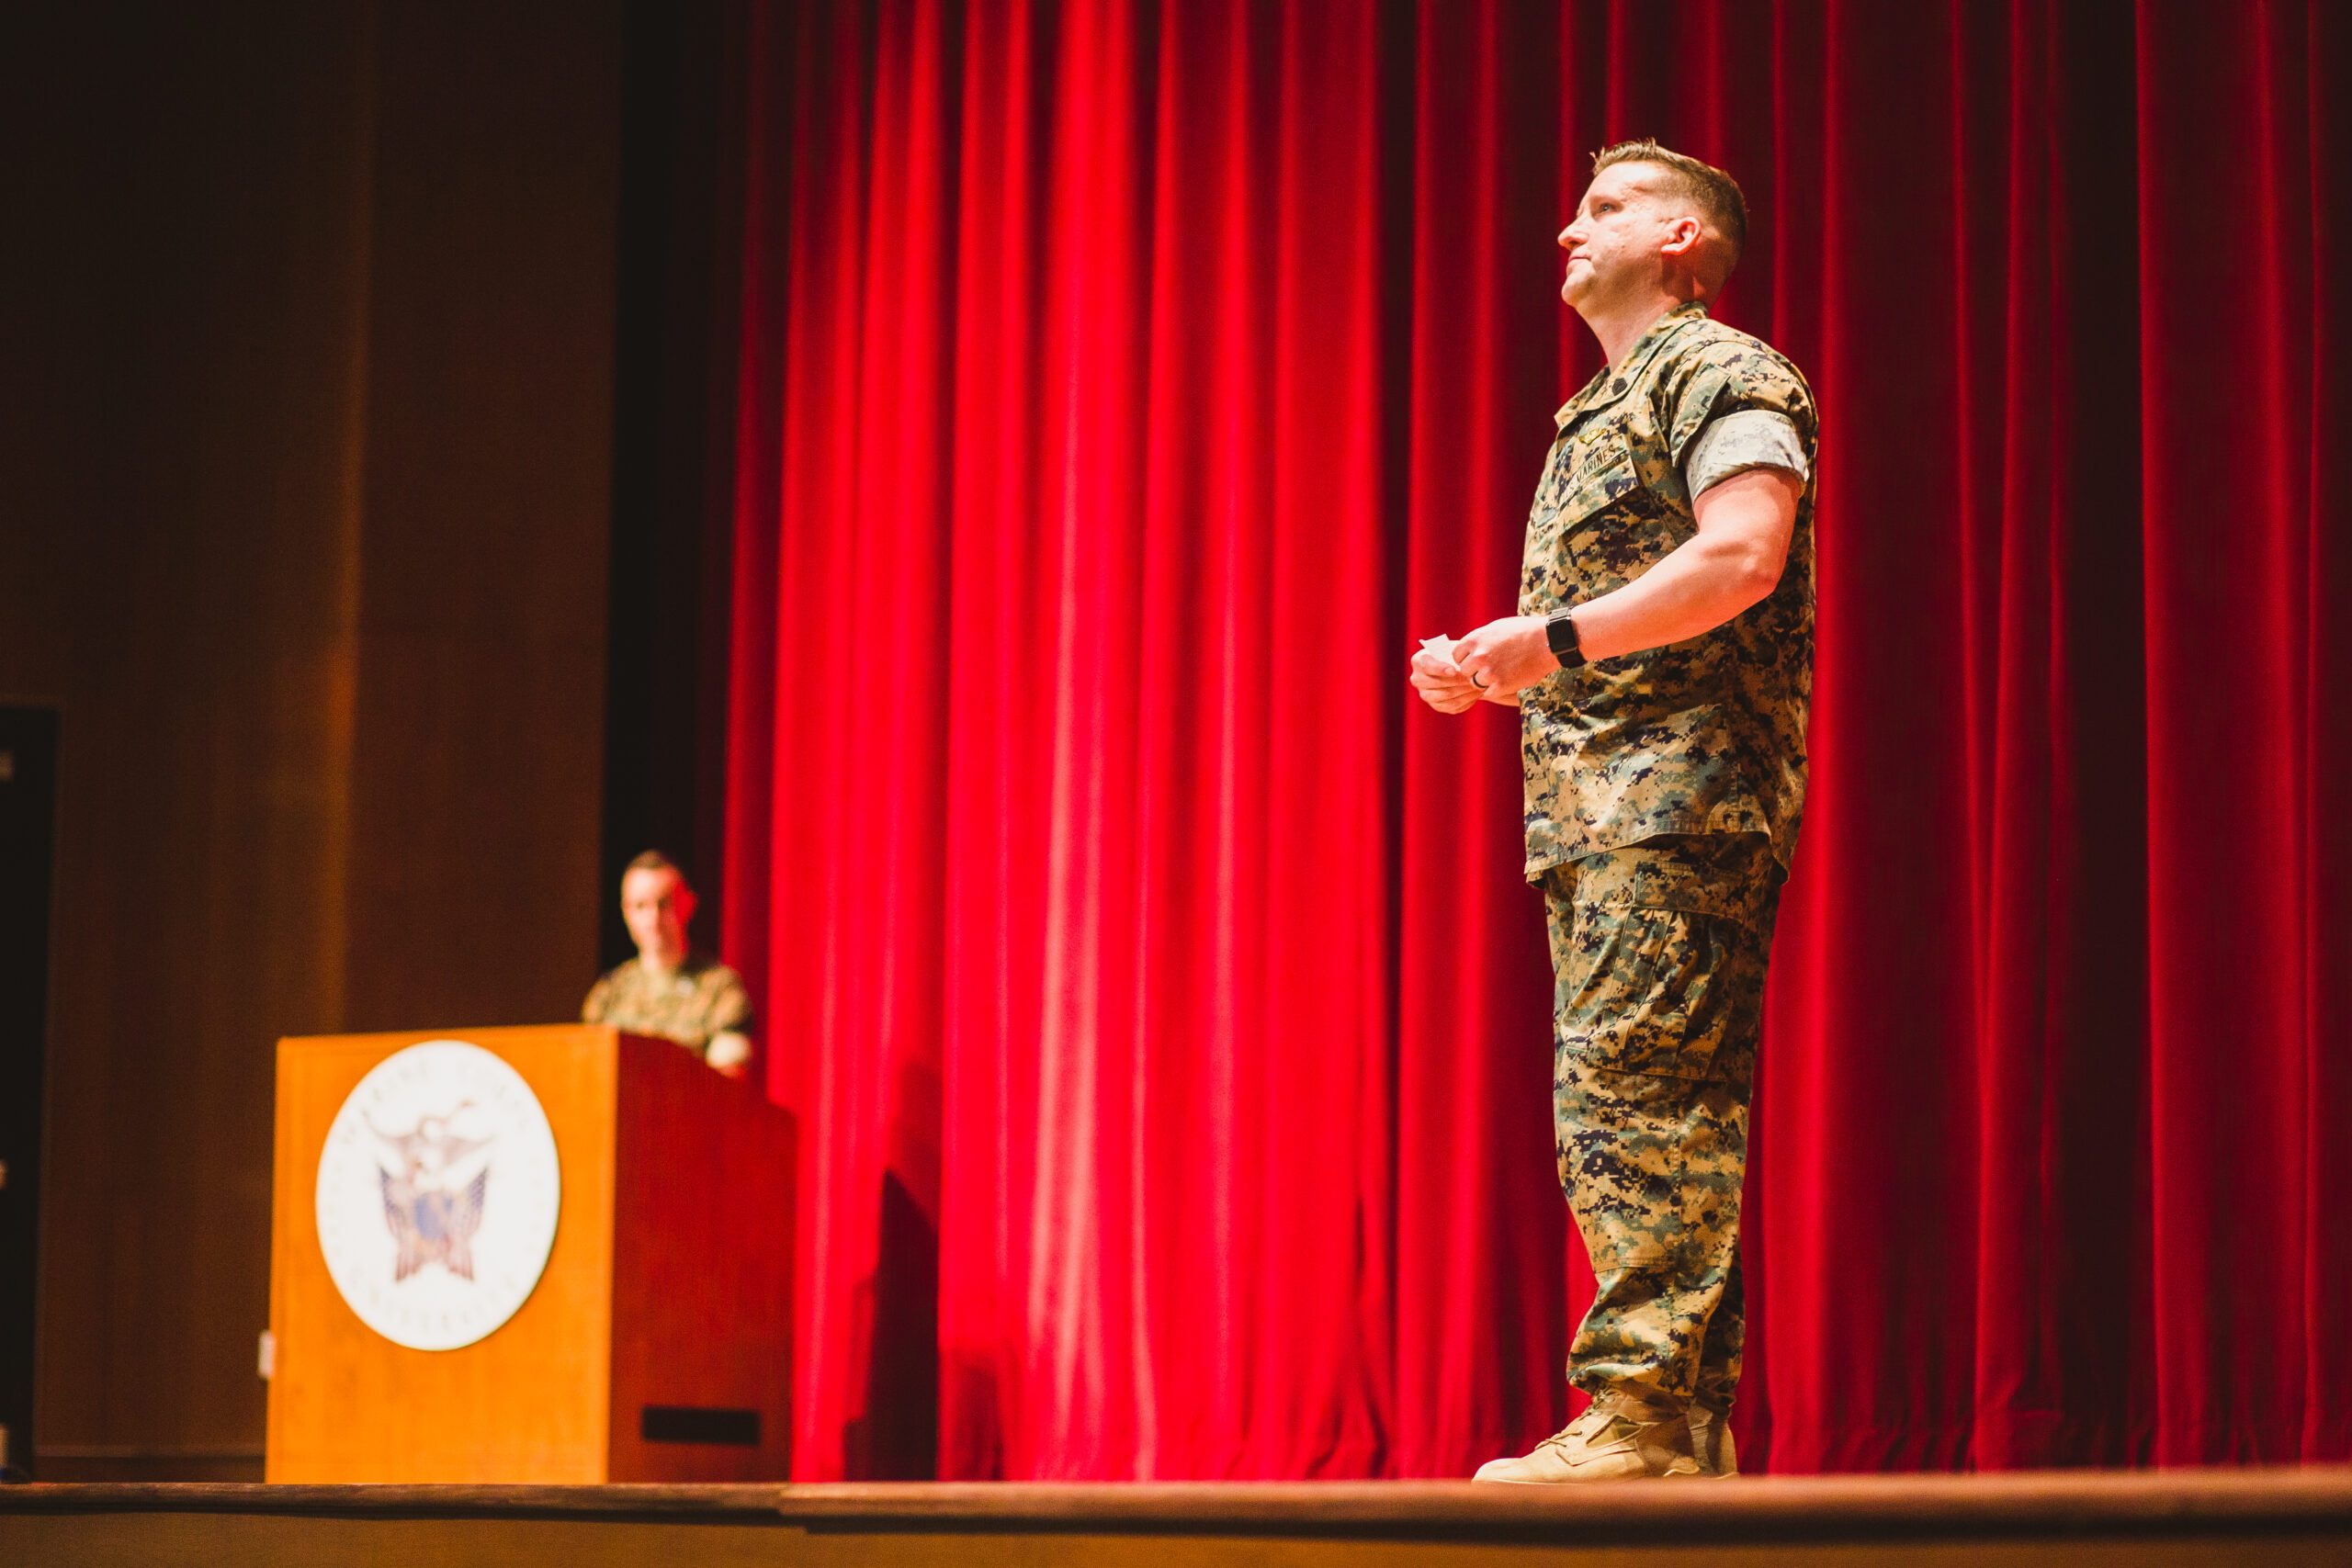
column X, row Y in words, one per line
column 431, row 1221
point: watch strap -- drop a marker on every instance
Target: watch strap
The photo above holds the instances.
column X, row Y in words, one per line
column 1560, row 633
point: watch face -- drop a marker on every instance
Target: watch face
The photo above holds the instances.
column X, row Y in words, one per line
column 1560, row 631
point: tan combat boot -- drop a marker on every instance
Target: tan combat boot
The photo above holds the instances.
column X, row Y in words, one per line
column 1711, row 1441
column 1615, row 1438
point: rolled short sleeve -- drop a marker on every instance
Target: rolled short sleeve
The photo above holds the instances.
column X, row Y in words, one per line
column 1745, row 439
column 731, row 1006
column 1731, row 378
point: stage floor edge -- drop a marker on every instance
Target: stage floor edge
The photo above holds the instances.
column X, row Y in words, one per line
column 2291, row 1516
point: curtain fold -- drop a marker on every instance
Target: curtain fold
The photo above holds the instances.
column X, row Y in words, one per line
column 1124, row 388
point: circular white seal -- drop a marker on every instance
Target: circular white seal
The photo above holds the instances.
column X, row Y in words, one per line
column 437, row 1195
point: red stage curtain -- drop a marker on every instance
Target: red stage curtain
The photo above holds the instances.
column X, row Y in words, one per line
column 1124, row 387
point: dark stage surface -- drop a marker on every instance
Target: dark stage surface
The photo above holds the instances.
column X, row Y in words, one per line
column 2273, row 1516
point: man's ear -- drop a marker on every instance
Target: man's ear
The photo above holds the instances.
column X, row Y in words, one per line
column 1684, row 237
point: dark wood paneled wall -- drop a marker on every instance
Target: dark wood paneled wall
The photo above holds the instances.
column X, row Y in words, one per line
column 306, row 420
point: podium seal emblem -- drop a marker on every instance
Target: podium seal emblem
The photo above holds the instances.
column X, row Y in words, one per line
column 438, row 1190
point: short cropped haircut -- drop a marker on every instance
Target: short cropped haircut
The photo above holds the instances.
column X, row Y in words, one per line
column 654, row 860
column 1715, row 192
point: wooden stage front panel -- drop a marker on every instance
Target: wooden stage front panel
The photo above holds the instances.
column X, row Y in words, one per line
column 2283, row 1518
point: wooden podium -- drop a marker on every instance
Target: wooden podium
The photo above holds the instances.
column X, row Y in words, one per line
column 656, row 1345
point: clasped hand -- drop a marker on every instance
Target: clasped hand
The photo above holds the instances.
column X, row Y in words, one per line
column 1494, row 663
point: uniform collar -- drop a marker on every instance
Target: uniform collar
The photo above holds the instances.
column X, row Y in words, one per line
column 1611, row 383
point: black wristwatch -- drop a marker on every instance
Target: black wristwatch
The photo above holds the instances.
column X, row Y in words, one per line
column 1560, row 632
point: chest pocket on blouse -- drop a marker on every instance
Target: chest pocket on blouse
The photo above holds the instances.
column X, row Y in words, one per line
column 1600, row 478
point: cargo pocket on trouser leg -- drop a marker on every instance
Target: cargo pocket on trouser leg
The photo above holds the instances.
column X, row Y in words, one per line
column 1649, row 1002
column 1660, row 970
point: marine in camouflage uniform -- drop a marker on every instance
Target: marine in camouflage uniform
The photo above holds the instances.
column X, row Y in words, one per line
column 1664, row 790
column 693, row 1004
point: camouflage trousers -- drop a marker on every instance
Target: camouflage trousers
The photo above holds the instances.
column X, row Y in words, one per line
column 1658, row 952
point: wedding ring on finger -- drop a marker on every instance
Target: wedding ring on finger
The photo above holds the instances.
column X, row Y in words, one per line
column 1476, row 682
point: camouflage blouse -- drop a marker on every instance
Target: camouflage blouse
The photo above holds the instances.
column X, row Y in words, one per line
column 703, row 998
column 1704, row 736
